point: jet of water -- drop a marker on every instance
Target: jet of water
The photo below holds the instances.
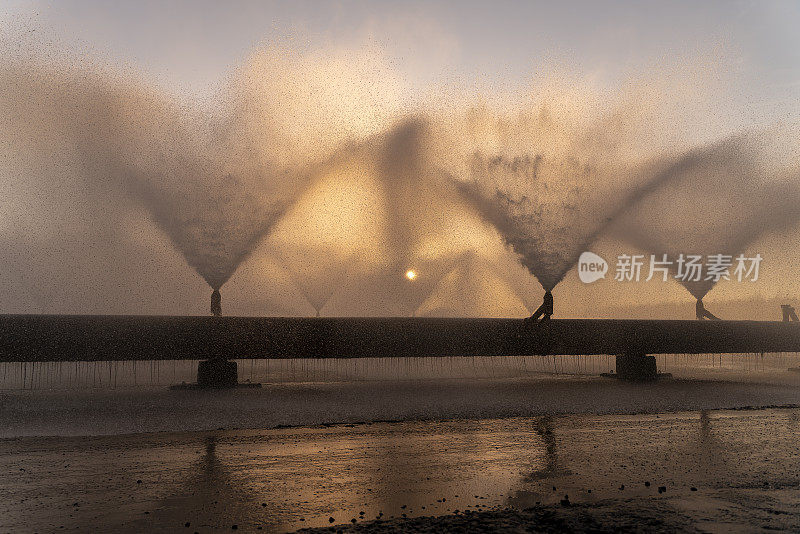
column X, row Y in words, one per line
column 716, row 199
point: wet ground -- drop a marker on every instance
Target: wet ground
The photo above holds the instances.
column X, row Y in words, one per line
column 681, row 466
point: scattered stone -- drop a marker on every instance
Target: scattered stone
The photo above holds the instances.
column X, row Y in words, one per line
column 331, row 520
column 187, row 524
column 692, row 489
column 647, row 484
column 662, row 489
column 565, row 501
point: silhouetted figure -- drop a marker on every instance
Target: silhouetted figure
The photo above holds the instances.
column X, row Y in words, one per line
column 789, row 315
column 216, row 303
column 703, row 313
column 544, row 311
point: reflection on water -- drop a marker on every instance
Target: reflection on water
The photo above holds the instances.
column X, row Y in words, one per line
column 544, row 428
column 285, row 479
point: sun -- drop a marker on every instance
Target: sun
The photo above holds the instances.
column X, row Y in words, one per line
column 411, row 274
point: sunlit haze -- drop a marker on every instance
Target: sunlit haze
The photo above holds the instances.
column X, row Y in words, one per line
column 300, row 155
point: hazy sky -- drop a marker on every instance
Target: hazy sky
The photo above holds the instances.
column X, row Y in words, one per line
column 196, row 42
column 190, row 48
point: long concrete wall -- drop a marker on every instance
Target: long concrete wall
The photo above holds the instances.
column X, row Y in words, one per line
column 93, row 338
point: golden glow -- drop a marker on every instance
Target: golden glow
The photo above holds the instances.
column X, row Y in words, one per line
column 410, row 274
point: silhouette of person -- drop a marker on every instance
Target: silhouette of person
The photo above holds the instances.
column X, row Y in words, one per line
column 702, row 313
column 216, row 303
column 544, row 311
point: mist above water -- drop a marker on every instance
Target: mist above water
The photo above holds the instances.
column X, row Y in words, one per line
column 553, row 178
column 551, row 173
column 548, row 211
column 201, row 174
column 554, row 196
column 715, row 199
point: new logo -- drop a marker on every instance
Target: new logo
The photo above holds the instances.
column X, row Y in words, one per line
column 591, row 267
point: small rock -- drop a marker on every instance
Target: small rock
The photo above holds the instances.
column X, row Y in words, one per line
column 692, row 489
column 647, row 484
column 662, row 489
column 331, row 520
column 187, row 524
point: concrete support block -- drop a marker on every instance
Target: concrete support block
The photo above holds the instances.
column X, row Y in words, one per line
column 636, row 366
column 217, row 373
